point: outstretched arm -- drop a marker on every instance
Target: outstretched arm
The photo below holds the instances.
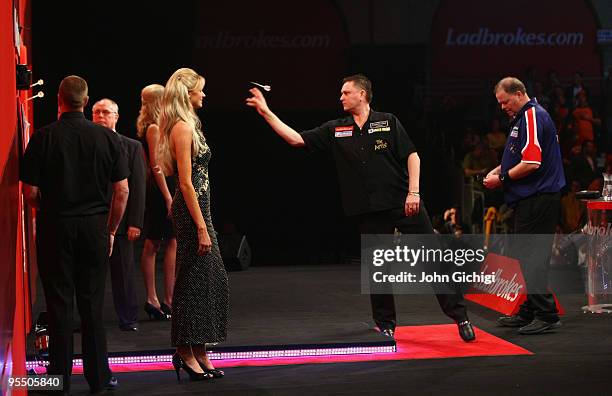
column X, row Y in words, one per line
column 283, row 130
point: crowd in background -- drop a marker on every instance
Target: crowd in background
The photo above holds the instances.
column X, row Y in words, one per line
column 582, row 112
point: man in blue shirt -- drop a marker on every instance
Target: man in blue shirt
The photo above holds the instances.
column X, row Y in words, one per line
column 531, row 175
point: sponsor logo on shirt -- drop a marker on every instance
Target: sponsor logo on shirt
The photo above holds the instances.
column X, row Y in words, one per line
column 381, row 145
column 373, row 130
column 344, row 131
column 379, row 126
column 514, row 132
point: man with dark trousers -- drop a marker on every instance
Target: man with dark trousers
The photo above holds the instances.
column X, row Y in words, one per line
column 531, row 175
column 122, row 265
column 378, row 170
column 69, row 170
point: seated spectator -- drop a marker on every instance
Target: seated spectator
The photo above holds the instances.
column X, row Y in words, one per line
column 573, row 91
column 552, row 82
column 471, row 139
column 479, row 161
column 559, row 108
column 541, row 96
column 583, row 167
column 573, row 211
column 496, row 139
column 561, row 116
column 568, row 159
column 584, row 121
column 453, row 223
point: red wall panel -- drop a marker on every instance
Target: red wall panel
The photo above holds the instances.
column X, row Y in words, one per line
column 13, row 287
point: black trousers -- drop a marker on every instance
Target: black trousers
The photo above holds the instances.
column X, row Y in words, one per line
column 73, row 258
column 385, row 222
column 538, row 214
column 122, row 268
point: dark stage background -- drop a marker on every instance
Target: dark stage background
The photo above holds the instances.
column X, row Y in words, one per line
column 285, row 200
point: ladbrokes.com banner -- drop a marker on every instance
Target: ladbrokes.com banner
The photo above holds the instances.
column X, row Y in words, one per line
column 446, row 264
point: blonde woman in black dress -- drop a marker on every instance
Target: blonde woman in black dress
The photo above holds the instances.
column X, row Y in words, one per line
column 158, row 228
column 201, row 294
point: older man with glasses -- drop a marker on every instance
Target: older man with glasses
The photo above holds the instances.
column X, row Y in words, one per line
column 106, row 113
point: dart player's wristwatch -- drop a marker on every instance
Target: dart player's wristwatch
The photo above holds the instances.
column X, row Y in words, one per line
column 504, row 178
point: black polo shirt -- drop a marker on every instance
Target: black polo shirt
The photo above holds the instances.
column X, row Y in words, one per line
column 371, row 162
column 73, row 162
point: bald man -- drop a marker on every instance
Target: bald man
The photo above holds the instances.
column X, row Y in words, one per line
column 69, row 170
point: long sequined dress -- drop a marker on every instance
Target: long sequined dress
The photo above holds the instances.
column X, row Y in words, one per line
column 200, row 305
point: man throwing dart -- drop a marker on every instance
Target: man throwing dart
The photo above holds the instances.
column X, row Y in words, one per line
column 378, row 169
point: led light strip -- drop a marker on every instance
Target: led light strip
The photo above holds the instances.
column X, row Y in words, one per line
column 288, row 353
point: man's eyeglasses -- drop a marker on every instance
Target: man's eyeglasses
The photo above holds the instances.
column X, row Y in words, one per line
column 104, row 112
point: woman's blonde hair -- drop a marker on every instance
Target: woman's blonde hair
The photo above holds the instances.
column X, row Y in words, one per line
column 176, row 106
column 149, row 110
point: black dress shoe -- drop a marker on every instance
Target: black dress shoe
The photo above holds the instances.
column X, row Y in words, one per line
column 466, row 331
column 538, row 326
column 513, row 321
column 129, row 327
column 112, row 384
column 388, row 332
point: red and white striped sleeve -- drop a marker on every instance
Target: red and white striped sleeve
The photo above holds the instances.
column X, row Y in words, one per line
column 532, row 152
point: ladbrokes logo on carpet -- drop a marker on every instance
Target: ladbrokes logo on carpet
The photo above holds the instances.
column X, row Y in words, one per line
column 507, row 288
column 507, row 293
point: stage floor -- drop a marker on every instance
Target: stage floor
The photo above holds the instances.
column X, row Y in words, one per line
column 269, row 306
column 274, row 305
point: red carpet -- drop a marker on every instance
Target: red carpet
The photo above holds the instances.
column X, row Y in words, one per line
column 413, row 342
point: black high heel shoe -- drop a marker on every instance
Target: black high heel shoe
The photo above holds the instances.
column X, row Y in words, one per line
column 154, row 313
column 167, row 310
column 215, row 373
column 179, row 364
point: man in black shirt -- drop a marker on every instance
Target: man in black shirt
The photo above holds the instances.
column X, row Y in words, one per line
column 374, row 157
column 122, row 265
column 68, row 169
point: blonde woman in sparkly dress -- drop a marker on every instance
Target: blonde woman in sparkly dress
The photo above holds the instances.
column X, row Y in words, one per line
column 201, row 295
